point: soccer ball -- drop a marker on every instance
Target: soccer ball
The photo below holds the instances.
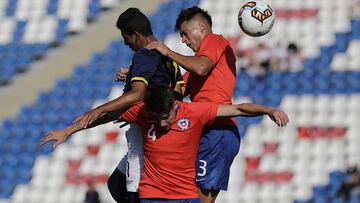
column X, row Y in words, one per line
column 256, row 18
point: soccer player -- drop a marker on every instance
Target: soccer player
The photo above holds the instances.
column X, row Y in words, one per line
column 211, row 78
column 148, row 68
column 171, row 131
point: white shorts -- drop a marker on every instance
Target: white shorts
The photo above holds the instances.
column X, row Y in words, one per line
column 132, row 163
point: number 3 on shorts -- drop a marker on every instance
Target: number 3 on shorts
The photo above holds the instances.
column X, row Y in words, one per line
column 202, row 166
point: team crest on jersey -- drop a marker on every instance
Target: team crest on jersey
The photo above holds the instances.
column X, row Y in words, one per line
column 183, row 124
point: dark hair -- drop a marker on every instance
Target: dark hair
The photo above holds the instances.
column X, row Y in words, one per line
column 189, row 13
column 133, row 20
column 158, row 101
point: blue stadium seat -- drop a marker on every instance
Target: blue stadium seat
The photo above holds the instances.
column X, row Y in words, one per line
column 11, row 7
column 342, row 41
column 338, row 200
column 302, row 201
column 94, row 9
column 355, row 29
column 6, row 189
column 61, row 31
column 321, row 191
column 19, row 31
column 52, row 7
column 326, row 51
column 355, row 200
column 320, row 200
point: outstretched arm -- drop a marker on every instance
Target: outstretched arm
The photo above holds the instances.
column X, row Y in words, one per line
column 252, row 110
column 135, row 95
column 61, row 135
column 200, row 65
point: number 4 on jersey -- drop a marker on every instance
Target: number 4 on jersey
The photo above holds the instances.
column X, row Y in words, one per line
column 152, row 132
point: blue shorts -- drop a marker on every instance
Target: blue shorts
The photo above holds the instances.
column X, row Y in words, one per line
column 217, row 150
column 196, row 200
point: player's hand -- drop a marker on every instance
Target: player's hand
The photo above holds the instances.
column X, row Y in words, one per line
column 57, row 135
column 86, row 119
column 279, row 117
column 161, row 47
column 122, row 74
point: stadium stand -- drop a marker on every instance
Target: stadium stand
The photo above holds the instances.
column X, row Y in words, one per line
column 30, row 28
column 303, row 163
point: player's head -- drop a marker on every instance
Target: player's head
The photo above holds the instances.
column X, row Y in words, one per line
column 193, row 24
column 134, row 26
column 160, row 107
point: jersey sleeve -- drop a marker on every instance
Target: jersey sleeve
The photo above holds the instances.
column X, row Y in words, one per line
column 206, row 111
column 144, row 64
column 133, row 113
column 212, row 47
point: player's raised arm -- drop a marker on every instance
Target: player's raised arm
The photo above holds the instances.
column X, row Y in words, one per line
column 61, row 135
column 136, row 94
column 200, row 65
column 252, row 110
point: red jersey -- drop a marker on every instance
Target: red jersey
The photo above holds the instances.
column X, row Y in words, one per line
column 218, row 86
column 169, row 158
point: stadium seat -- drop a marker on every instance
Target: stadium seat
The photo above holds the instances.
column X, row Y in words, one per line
column 67, row 195
column 248, row 191
column 302, row 195
column 35, row 195
column 267, row 163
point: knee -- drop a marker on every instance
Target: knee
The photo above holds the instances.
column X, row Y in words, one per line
column 207, row 195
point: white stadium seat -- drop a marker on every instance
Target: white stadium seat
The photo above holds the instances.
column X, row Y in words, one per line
column 31, row 31
column 266, row 192
column 319, row 178
column 319, row 148
column 267, row 163
column 20, row 194
column 87, row 166
column 115, row 92
column 52, row 197
column 108, row 3
column 40, row 165
column 339, row 62
column 336, row 163
column 302, row 193
column 23, row 8
column 76, row 153
column 284, row 193
column 57, row 167
column 35, row 195
column 7, row 28
column 96, row 135
column 248, row 191
column 287, row 135
column 47, row 30
column 252, row 149
column 67, row 194
column 62, row 152
column 254, row 134
column 283, row 163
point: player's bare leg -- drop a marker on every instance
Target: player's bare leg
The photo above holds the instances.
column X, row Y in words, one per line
column 207, row 196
